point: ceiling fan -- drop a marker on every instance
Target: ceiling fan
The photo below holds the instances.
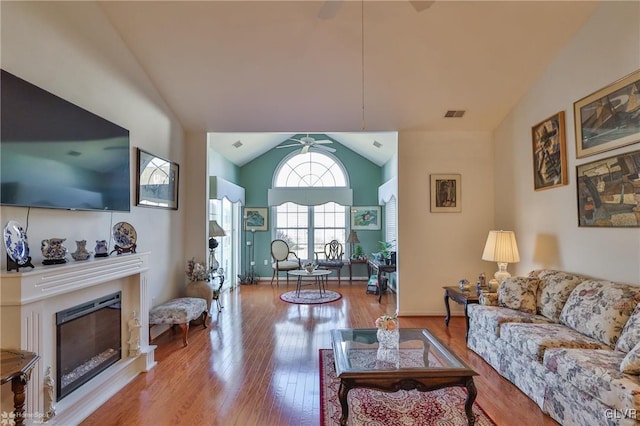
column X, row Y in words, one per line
column 307, row 142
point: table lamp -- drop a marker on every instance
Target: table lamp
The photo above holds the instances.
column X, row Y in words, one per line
column 353, row 239
column 500, row 247
column 214, row 231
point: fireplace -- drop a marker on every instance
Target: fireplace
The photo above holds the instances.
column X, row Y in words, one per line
column 88, row 341
column 29, row 303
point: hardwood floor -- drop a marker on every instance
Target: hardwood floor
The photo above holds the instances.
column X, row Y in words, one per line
column 257, row 364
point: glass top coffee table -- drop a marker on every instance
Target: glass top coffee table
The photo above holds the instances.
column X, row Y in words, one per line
column 421, row 361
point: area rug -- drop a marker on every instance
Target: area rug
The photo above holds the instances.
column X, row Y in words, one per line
column 443, row 407
column 310, row 297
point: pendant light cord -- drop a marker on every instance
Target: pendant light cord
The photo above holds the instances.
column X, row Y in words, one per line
column 362, row 60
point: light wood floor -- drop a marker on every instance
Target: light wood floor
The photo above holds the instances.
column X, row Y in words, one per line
column 257, row 364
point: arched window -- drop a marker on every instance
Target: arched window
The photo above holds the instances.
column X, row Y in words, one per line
column 313, row 169
column 307, row 226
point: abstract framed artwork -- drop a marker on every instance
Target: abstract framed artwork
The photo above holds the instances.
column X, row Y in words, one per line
column 446, row 192
column 156, row 181
column 256, row 218
column 608, row 118
column 609, row 191
column 365, row 218
column 549, row 153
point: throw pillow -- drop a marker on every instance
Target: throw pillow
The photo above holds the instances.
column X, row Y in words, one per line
column 518, row 293
column 554, row 290
column 600, row 309
column 631, row 363
column 630, row 333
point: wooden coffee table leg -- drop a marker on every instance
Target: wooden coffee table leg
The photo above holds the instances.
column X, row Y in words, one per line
column 342, row 396
column 468, row 405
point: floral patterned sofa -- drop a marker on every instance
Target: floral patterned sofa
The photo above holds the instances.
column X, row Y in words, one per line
column 571, row 343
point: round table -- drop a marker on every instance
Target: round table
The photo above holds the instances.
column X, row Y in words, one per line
column 320, row 276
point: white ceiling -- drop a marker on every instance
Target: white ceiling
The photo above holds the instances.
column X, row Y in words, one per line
column 296, row 67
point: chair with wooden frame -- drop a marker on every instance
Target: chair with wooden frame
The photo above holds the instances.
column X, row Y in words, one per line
column 333, row 252
column 283, row 260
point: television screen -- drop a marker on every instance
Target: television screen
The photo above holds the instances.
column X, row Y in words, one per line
column 54, row 154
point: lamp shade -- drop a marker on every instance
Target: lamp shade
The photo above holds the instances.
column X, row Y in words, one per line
column 501, row 247
column 353, row 238
column 215, row 230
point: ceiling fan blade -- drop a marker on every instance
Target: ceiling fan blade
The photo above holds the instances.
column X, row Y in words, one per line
column 325, row 148
column 329, row 9
column 323, row 142
column 296, row 140
column 288, row 146
column 305, row 149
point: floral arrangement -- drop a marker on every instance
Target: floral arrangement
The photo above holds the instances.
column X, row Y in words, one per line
column 387, row 322
column 196, row 271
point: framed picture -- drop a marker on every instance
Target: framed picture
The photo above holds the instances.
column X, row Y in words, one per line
column 156, row 181
column 365, row 218
column 256, row 218
column 446, row 193
column 609, row 118
column 609, row 191
column 549, row 153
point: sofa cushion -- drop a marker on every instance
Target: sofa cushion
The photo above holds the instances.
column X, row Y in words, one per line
column 600, row 309
column 554, row 290
column 534, row 339
column 492, row 317
column 518, row 293
column 631, row 362
column 630, row 333
column 596, row 373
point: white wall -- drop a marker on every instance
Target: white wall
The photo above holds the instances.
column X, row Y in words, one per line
column 71, row 50
column 546, row 222
column 438, row 249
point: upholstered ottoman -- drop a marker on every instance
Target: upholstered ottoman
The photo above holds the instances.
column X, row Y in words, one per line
column 179, row 312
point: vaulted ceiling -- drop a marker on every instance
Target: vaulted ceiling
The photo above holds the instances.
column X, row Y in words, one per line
column 290, row 67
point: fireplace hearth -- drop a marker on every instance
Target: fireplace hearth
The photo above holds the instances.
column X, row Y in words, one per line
column 88, row 341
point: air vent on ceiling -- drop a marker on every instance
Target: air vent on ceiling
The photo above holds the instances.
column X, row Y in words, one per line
column 237, row 144
column 452, row 113
column 377, row 144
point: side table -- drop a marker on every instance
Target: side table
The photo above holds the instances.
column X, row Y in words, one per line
column 380, row 268
column 355, row 262
column 16, row 366
column 463, row 297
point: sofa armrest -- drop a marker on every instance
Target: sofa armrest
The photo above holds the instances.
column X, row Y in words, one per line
column 488, row 298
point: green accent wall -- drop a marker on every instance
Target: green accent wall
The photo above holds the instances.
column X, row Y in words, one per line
column 257, row 176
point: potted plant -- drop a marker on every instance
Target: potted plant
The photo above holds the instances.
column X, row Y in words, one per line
column 358, row 252
column 386, row 248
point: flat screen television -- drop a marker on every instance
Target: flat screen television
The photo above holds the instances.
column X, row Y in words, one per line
column 54, row 154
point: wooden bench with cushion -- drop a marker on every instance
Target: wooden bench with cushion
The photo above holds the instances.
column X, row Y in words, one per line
column 179, row 312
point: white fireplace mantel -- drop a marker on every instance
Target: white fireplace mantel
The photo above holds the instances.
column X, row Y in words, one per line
column 29, row 300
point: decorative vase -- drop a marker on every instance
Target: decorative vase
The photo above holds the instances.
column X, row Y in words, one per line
column 53, row 251
column 388, row 339
column 388, row 346
column 81, row 252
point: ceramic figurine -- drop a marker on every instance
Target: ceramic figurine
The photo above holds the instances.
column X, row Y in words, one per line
column 53, row 251
column 81, row 252
column 101, row 248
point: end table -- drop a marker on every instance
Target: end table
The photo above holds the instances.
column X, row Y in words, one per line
column 463, row 297
column 16, row 366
